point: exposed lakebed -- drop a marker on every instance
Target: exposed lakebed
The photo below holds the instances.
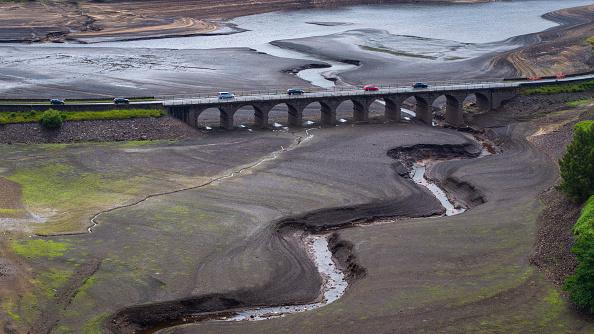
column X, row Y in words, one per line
column 448, row 33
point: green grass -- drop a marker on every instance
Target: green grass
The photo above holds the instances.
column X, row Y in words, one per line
column 47, row 102
column 49, row 281
column 579, row 103
column 37, row 248
column 70, row 193
column 29, row 117
column 559, row 88
column 580, row 284
column 585, row 224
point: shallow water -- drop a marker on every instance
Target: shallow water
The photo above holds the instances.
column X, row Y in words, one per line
column 466, row 23
column 418, row 176
column 458, row 23
column 333, row 288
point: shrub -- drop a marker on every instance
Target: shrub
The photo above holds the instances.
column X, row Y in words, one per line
column 51, row 119
column 580, row 285
column 557, row 88
column 577, row 165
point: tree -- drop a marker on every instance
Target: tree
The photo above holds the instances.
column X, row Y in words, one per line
column 577, row 165
column 580, row 285
column 51, row 119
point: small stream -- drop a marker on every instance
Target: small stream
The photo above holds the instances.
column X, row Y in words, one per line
column 333, row 287
column 334, row 280
column 418, row 176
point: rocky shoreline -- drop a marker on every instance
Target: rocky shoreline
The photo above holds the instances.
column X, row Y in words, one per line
column 104, row 130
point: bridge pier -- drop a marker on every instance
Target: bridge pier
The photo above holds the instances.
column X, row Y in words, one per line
column 226, row 116
column 295, row 116
column 392, row 112
column 423, row 110
column 261, row 115
column 361, row 109
column 454, row 114
column 328, row 116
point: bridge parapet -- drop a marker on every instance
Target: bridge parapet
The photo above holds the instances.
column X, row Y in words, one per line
column 488, row 97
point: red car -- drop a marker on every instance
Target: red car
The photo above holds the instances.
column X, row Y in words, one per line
column 370, row 88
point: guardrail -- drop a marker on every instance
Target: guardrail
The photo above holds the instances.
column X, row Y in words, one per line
column 434, row 86
column 279, row 92
column 252, row 96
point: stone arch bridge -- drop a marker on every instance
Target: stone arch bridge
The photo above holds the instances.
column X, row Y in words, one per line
column 489, row 96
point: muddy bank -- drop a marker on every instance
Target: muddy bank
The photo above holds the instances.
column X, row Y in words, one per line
column 381, row 60
column 288, row 232
column 106, row 130
column 557, row 50
column 456, row 274
column 69, row 72
column 381, row 64
column 453, row 274
column 554, row 239
column 57, row 21
column 216, row 239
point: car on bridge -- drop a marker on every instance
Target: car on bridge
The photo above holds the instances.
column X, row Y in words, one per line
column 418, row 85
column 295, row 91
column 371, row 88
column 226, row 95
column 121, row 100
column 56, row 102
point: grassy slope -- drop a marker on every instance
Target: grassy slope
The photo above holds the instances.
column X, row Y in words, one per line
column 559, row 88
column 20, row 117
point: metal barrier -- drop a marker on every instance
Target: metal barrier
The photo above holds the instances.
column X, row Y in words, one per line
column 434, row 86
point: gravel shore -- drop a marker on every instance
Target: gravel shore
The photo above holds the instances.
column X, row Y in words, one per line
column 104, row 130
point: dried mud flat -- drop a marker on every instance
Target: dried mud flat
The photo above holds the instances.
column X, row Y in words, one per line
column 221, row 246
column 560, row 49
column 70, row 72
column 122, row 20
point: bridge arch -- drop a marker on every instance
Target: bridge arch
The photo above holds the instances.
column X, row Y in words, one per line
column 454, row 114
column 481, row 101
column 205, row 118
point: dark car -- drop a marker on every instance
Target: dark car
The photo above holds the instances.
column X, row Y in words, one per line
column 56, row 101
column 121, row 100
column 295, row 91
column 420, row 85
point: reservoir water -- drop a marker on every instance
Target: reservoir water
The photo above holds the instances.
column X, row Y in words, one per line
column 465, row 23
column 462, row 23
column 468, row 23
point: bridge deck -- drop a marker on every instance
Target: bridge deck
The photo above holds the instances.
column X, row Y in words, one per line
column 359, row 93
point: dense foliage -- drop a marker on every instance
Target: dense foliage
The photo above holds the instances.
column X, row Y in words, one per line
column 577, row 165
column 580, row 285
column 26, row 117
column 559, row 88
column 51, row 119
column 577, row 170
